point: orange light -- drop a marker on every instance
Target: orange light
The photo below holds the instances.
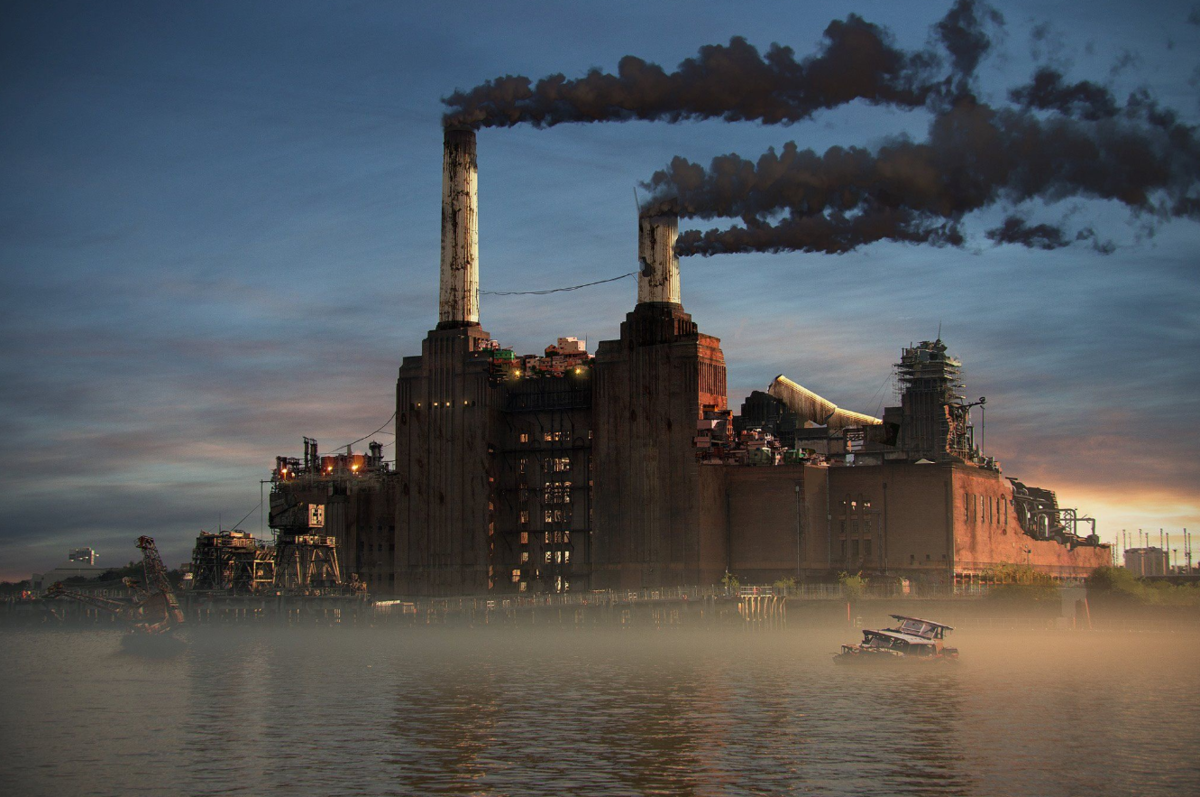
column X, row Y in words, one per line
column 354, row 467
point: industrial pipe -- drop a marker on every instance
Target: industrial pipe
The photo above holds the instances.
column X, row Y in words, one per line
column 811, row 407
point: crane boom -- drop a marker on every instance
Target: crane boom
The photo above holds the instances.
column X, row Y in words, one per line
column 156, row 578
column 122, row 610
column 156, row 609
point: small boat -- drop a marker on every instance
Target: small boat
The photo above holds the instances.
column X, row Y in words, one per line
column 913, row 640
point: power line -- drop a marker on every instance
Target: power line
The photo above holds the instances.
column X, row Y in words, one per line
column 558, row 290
column 364, row 437
column 248, row 514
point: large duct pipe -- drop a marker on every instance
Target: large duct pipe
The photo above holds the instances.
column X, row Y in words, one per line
column 811, row 407
column 658, row 277
column 458, row 300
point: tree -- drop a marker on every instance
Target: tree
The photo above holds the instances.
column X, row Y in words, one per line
column 730, row 582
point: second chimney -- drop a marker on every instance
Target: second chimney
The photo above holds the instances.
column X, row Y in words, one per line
column 458, row 299
column 658, row 278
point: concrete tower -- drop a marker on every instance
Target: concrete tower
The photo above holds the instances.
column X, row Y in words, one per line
column 652, row 386
column 458, row 299
column 445, row 410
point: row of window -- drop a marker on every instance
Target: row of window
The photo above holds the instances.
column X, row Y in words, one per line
column 548, row 516
column 557, row 557
column 556, row 436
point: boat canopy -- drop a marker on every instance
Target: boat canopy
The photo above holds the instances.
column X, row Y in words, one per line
column 922, row 628
column 919, row 620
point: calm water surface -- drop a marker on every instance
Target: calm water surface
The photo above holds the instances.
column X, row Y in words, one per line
column 402, row 711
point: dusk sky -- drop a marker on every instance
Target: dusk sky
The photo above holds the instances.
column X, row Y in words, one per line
column 219, row 232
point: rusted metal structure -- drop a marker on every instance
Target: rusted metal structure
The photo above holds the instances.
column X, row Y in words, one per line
column 156, row 610
column 232, row 561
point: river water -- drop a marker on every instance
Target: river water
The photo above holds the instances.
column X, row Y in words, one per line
column 260, row 711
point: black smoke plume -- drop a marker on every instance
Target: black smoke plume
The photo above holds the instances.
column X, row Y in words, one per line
column 857, row 60
column 1048, row 91
column 1016, row 230
column 975, row 157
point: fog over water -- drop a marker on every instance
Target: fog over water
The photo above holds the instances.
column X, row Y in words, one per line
column 256, row 710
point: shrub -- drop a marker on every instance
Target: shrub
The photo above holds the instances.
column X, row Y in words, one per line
column 853, row 586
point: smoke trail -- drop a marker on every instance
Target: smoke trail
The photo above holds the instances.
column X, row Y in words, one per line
column 1048, row 92
column 856, row 60
column 975, row 157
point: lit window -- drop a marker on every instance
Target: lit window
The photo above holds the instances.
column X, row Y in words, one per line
column 566, row 556
column 516, row 576
column 525, row 534
column 549, row 516
column 523, row 517
column 549, row 556
column 524, row 556
column 524, row 439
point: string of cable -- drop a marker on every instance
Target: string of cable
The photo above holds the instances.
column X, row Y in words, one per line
column 238, row 525
column 558, row 290
column 364, row 437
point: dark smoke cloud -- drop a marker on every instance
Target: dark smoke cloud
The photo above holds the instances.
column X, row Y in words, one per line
column 963, row 33
column 1016, row 230
column 1048, row 91
column 834, row 233
column 975, row 157
column 857, row 60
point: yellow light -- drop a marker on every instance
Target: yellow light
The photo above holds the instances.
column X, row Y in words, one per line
column 579, row 370
column 517, row 372
column 354, row 467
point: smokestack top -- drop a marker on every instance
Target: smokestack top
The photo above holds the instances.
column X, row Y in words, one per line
column 658, row 277
column 458, row 298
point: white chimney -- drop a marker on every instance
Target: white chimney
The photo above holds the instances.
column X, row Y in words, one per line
column 458, row 301
column 658, row 278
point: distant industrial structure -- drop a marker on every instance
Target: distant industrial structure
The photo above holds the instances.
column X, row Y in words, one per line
column 626, row 469
column 1147, row 561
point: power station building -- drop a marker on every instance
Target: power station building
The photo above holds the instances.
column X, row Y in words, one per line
column 627, row 469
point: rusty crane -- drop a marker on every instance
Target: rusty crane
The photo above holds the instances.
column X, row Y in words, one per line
column 155, row 610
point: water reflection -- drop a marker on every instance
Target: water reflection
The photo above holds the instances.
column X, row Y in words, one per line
column 260, row 711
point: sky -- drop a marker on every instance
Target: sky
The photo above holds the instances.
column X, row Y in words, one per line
column 219, row 232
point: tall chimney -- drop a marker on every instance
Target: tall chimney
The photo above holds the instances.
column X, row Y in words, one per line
column 658, row 279
column 458, row 300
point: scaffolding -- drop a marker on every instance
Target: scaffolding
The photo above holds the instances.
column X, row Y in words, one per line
column 232, row 561
column 936, row 420
column 305, row 562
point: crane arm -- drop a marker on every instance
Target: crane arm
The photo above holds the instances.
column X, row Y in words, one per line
column 57, row 590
